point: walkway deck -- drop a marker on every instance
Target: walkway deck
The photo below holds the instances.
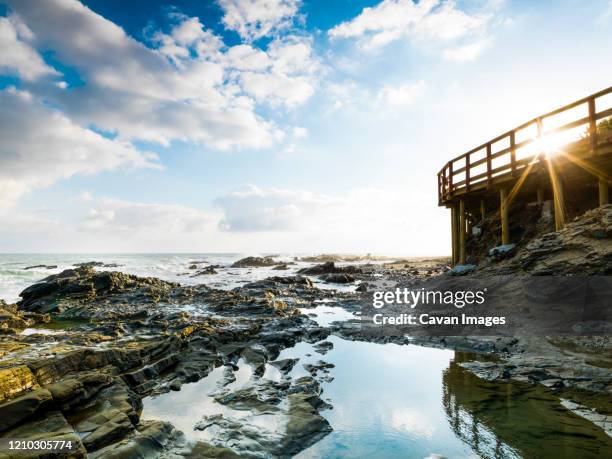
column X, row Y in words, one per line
column 570, row 146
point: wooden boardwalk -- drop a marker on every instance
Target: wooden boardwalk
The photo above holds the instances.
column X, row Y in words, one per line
column 571, row 145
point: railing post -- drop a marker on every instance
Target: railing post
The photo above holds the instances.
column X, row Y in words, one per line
column 592, row 126
column 450, row 179
column 513, row 153
column 462, row 232
column 489, row 166
column 467, row 172
column 505, row 227
column 444, row 182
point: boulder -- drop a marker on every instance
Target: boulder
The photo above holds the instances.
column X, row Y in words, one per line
column 254, row 262
column 338, row 278
column 329, row 268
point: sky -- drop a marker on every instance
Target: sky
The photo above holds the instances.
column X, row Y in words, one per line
column 267, row 125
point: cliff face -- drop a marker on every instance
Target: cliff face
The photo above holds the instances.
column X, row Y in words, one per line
column 582, row 247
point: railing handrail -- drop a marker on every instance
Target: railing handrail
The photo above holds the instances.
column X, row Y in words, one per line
column 446, row 183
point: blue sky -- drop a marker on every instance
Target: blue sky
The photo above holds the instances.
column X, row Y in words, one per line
column 260, row 126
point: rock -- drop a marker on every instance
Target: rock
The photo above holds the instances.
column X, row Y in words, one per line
column 305, row 426
column 363, row 287
column 53, row 426
column 282, row 267
column 96, row 264
column 502, row 251
column 20, row 408
column 323, row 347
column 206, row 450
column 338, row 278
column 15, row 380
column 149, row 440
column 204, row 272
column 61, row 291
column 329, row 268
column 461, row 270
column 254, row 262
column 40, row 266
column 285, row 365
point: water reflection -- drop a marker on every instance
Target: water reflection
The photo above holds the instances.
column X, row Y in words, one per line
column 511, row 420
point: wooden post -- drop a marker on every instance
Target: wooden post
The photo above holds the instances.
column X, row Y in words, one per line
column 467, row 172
column 558, row 200
column 461, row 232
column 489, row 166
column 503, row 198
column 604, row 193
column 513, row 153
column 454, row 234
column 483, row 211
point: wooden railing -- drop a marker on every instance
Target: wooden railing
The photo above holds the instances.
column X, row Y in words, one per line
column 512, row 151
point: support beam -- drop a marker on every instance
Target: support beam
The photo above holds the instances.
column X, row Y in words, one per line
column 558, row 198
column 604, row 193
column 462, row 220
column 505, row 227
column 483, row 211
column 454, row 228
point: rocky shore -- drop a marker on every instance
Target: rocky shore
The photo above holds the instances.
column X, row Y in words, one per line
column 83, row 348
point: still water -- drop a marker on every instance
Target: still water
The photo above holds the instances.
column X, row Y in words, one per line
column 392, row 401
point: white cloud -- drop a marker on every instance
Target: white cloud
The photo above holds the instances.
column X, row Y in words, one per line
column 17, row 56
column 190, row 87
column 300, row 132
column 428, row 21
column 251, row 208
column 135, row 90
column 254, row 19
column 124, row 217
column 401, row 95
column 40, row 146
column 467, row 52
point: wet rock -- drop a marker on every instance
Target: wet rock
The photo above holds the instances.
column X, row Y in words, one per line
column 65, row 290
column 75, row 391
column 96, row 264
column 338, row 278
column 284, row 365
column 40, row 266
column 305, row 426
column 205, row 272
column 254, row 262
column 206, row 450
column 15, row 380
column 323, row 347
column 319, row 366
column 329, row 268
column 149, row 440
column 53, row 426
column 20, row 408
column 282, row 267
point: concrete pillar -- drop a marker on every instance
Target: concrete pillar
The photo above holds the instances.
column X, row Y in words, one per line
column 505, row 227
column 462, row 220
column 604, row 193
